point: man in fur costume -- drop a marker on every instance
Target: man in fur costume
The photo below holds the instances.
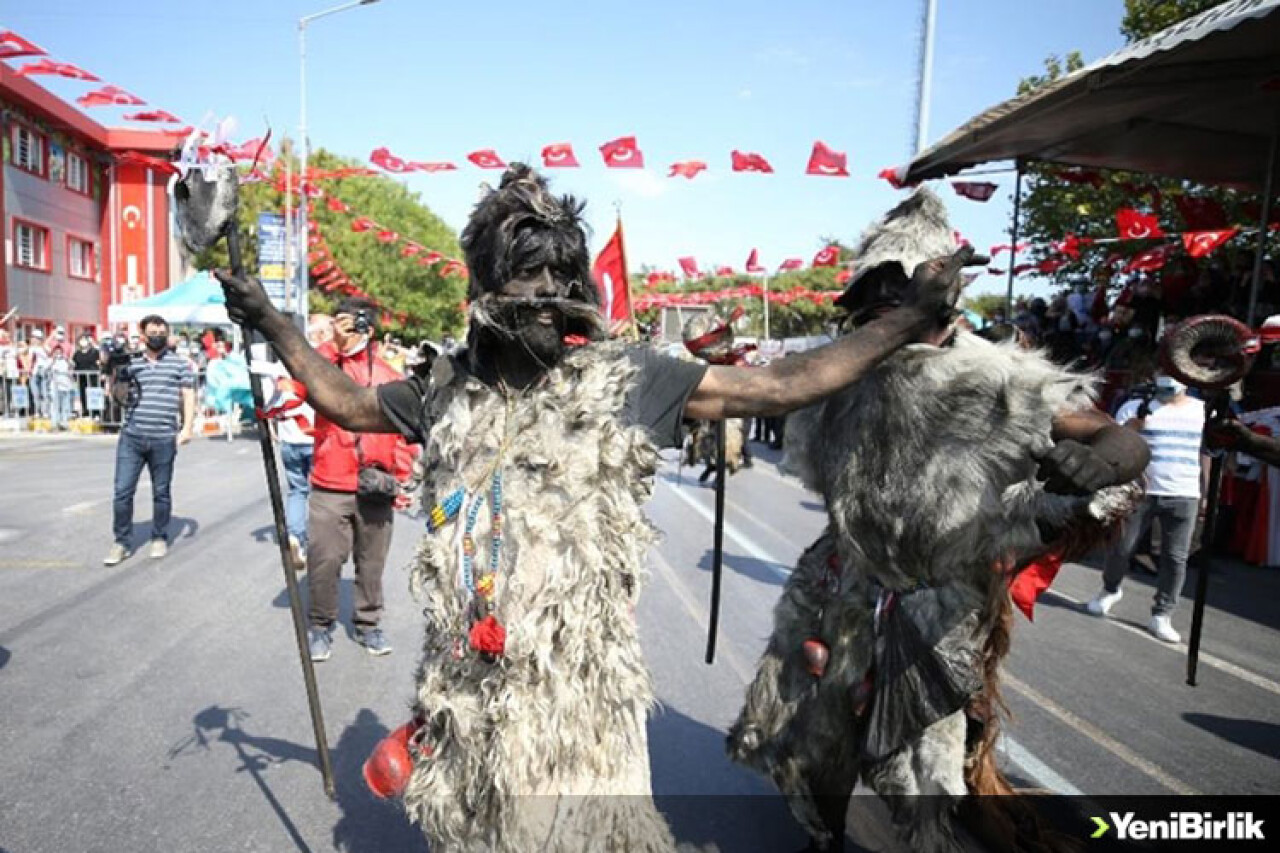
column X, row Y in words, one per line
column 532, row 692
column 947, row 468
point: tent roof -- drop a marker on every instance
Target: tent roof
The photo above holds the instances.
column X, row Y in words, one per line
column 1199, row 100
column 199, row 299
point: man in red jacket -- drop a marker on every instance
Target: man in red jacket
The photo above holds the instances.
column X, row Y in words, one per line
column 340, row 521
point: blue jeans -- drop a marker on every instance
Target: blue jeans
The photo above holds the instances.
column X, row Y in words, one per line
column 61, row 413
column 38, row 390
column 132, row 453
column 1177, row 529
column 297, row 474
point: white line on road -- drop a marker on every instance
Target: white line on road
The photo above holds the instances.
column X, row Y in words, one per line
column 1259, row 681
column 698, row 614
column 735, row 534
column 1042, row 774
column 82, row 507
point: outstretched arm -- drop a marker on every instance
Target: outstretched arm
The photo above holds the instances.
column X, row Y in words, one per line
column 1234, row 435
column 801, row 380
column 1091, row 452
column 329, row 391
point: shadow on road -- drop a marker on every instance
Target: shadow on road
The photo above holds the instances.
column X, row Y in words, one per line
column 180, row 527
column 761, row 571
column 1258, row 735
column 5, row 654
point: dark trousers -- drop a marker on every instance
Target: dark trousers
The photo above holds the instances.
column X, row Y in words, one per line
column 339, row 526
column 132, row 453
column 1177, row 529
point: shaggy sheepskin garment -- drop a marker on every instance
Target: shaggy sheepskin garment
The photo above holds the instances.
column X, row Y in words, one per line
column 544, row 748
column 927, row 466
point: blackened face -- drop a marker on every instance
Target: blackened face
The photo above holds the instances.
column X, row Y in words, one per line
column 538, row 326
column 878, row 291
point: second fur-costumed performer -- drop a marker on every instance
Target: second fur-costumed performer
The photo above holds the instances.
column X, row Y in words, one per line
column 948, row 469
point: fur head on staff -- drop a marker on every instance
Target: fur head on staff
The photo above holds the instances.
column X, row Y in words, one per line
column 914, row 231
column 531, row 285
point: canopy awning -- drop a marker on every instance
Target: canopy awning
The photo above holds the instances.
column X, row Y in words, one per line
column 1199, row 100
column 197, row 300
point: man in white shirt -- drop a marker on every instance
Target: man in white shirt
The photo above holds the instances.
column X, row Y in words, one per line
column 1172, row 424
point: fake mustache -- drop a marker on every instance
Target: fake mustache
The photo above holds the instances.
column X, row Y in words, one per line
column 502, row 313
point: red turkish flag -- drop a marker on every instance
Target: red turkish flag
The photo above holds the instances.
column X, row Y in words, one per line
column 1070, row 245
column 1051, row 265
column 559, row 155
column 61, row 69
column 689, row 266
column 1201, row 243
column 431, row 168
column 975, row 190
column 791, row 264
column 828, row 256
column 153, row 115
column 1027, row 585
column 622, row 153
column 1005, row 247
column 384, row 159
column 753, row 262
column 843, row 276
column 687, row 168
column 893, row 175
column 337, row 205
column 1200, row 213
column 824, row 161
column 179, row 132
column 724, row 271
column 1133, row 225
column 486, row 158
column 13, row 45
column 252, row 150
column 363, row 223
column 109, row 96
column 430, row 258
column 408, row 250
column 454, row 268
column 610, row 274
column 386, row 235
column 749, row 163
column 1152, row 259
column 322, row 268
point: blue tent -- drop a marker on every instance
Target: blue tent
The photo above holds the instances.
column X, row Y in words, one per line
column 198, row 300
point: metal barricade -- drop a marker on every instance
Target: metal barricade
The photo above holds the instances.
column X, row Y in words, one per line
column 88, row 407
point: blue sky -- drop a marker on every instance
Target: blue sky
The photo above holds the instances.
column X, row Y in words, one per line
column 691, row 80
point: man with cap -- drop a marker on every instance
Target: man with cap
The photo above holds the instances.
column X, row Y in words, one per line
column 1171, row 423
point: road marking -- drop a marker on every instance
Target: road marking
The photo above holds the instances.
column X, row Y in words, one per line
column 1042, row 774
column 83, row 506
column 1259, row 681
column 699, row 616
column 745, row 541
column 38, row 564
column 8, row 534
column 1101, row 738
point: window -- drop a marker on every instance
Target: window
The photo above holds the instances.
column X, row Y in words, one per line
column 31, row 246
column 28, row 149
column 77, row 173
column 80, row 258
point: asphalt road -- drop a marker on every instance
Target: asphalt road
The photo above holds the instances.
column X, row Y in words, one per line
column 159, row 705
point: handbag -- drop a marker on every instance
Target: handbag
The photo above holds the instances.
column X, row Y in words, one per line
column 374, row 484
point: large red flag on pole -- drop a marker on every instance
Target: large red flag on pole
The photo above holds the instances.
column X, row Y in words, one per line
column 610, row 273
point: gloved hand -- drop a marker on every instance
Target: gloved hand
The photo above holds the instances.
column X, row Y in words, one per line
column 1144, row 408
column 936, row 284
column 1072, row 468
column 1226, row 434
column 247, row 301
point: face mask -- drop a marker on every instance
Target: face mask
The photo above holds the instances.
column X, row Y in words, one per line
column 156, row 343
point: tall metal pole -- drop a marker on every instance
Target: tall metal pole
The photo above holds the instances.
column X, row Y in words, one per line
column 291, row 294
column 303, row 244
column 1013, row 252
column 926, row 75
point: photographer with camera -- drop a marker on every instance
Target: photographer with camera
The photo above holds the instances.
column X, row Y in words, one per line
column 157, row 391
column 355, row 482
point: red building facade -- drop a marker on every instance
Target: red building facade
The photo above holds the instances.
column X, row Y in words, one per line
column 82, row 229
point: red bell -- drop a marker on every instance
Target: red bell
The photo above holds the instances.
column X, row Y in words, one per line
column 388, row 768
column 816, row 656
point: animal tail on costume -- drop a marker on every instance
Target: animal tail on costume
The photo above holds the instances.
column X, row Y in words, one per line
column 1003, row 818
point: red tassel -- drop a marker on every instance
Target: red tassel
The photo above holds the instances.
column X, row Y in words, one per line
column 488, row 636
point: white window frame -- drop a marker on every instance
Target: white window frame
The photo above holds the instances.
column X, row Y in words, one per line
column 85, row 252
column 33, row 161
column 31, row 253
column 77, row 173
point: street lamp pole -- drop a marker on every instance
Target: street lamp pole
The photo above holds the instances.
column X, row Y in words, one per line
column 304, row 272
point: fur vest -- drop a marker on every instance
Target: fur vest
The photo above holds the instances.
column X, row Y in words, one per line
column 561, row 713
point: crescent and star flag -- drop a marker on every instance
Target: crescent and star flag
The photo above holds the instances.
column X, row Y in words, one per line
column 753, row 262
column 13, row 45
column 153, row 115
column 109, row 96
column 408, row 250
column 1152, row 259
column 622, row 153
column 975, row 190
column 1201, row 243
column 724, row 271
column 791, row 264
column 337, row 205
column 1133, row 225
column 689, row 266
column 745, row 162
column 687, row 168
column 894, row 175
column 824, row 161
column 386, row 235
column 844, row 276
column 383, row 158
column 62, row 69
column 559, row 155
column 828, row 256
column 487, row 158
column 363, row 223
column 610, row 273
column 431, row 168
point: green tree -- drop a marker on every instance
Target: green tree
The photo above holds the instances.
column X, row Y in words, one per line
column 432, row 302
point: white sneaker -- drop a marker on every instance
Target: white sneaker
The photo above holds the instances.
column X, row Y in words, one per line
column 1162, row 629
column 158, row 549
column 1102, row 604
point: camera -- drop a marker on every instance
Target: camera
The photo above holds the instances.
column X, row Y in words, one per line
column 118, row 359
column 362, row 323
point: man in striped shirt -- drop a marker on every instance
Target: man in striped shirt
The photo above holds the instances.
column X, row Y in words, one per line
column 1172, row 424
column 160, row 410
